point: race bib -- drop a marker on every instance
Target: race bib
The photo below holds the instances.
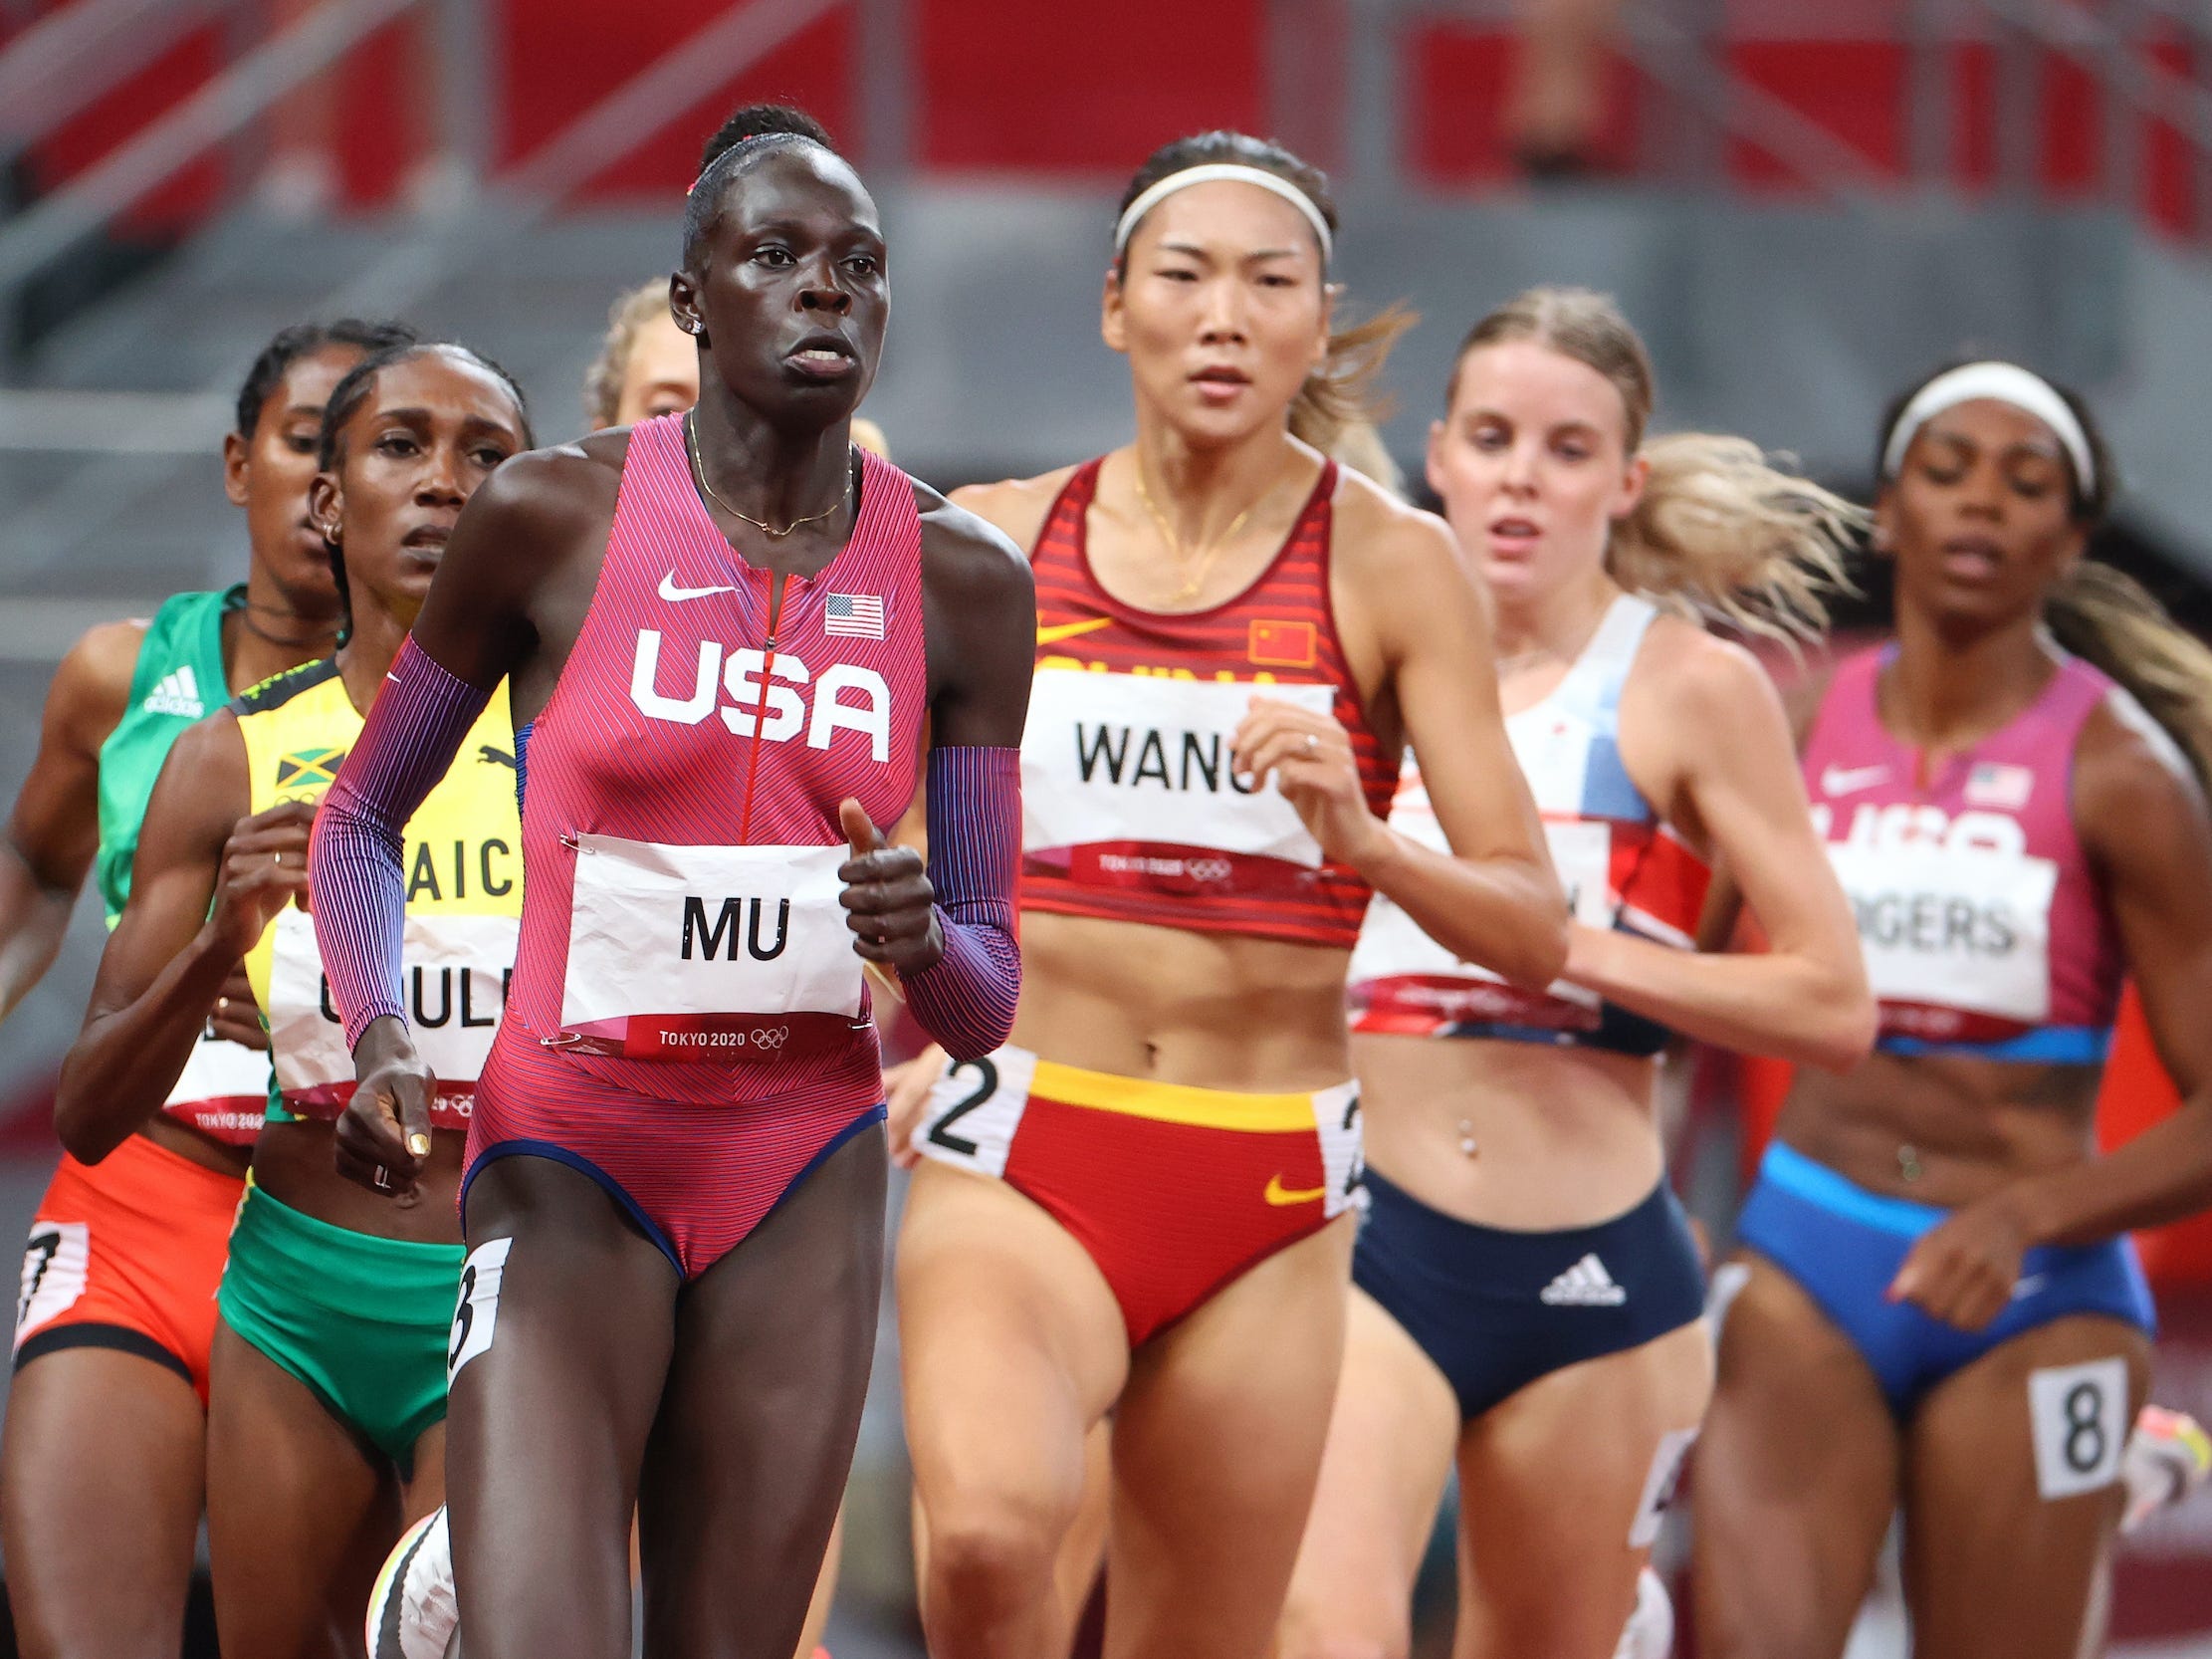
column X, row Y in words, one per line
column 454, row 972
column 1954, row 928
column 223, row 1090
column 704, row 952
column 1130, row 781
column 2080, row 1419
column 1392, row 946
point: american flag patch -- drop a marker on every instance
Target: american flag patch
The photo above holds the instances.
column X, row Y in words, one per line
column 2004, row 786
column 853, row 615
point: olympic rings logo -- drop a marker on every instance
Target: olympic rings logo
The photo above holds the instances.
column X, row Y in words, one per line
column 770, row 1036
column 1208, row 870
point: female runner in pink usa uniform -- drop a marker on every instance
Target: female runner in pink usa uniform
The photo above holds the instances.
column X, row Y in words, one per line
column 1527, row 1295
column 724, row 634
column 1143, row 1203
column 1939, row 1305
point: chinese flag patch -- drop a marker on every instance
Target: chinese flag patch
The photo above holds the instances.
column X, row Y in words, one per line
column 1283, row 644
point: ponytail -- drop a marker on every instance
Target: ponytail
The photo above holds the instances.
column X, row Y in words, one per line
column 1730, row 537
column 1341, row 394
column 2105, row 617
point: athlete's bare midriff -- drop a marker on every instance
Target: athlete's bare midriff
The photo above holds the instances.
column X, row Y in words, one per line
column 1209, row 1011
column 295, row 1163
column 1563, row 1137
column 1964, row 1126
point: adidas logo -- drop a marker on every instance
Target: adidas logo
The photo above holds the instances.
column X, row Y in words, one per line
column 177, row 693
column 1585, row 1285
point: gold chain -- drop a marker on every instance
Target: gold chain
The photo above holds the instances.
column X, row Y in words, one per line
column 699, row 469
column 1193, row 579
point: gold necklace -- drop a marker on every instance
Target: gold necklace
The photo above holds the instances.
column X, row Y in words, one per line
column 698, row 470
column 1194, row 580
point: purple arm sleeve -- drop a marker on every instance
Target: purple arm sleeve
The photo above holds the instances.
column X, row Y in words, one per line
column 418, row 720
column 967, row 1001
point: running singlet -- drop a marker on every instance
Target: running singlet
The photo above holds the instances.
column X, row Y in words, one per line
column 684, row 939
column 464, row 892
column 1982, row 924
column 1131, row 805
column 180, row 679
column 1622, row 866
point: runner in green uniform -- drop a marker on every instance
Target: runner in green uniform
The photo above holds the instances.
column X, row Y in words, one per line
column 101, row 1459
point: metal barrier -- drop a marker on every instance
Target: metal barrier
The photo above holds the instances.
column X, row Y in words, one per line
column 1681, row 48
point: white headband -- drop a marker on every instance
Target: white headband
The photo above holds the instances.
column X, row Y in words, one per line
column 2004, row 382
column 1215, row 171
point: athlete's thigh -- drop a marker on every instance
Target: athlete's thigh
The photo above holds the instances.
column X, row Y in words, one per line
column 748, row 1455
column 1560, row 1491
column 1011, row 1347
column 1391, row 1433
column 101, row 1466
column 292, row 1497
column 2011, row 1491
column 562, row 1339
column 1796, row 1480
column 1216, row 1451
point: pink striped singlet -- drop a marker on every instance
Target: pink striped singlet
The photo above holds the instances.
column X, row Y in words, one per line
column 1983, row 926
column 687, row 1023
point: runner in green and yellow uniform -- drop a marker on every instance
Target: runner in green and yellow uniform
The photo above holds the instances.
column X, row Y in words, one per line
column 327, row 1425
column 100, row 1472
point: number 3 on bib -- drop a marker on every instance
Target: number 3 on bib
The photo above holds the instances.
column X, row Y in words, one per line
column 477, row 1311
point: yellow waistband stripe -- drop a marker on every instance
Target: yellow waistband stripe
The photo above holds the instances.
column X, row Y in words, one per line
column 1205, row 1108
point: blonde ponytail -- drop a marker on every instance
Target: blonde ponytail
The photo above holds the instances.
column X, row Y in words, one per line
column 2106, row 618
column 1731, row 537
column 1721, row 532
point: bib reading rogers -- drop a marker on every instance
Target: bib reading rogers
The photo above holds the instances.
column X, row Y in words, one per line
column 1952, row 927
column 704, row 952
column 1135, row 762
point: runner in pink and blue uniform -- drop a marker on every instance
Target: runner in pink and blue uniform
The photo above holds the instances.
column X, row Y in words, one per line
column 1939, row 1305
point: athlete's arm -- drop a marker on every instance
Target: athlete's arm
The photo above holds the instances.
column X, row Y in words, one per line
column 2142, row 820
column 1715, row 716
column 1494, row 898
column 54, row 831
column 949, row 932
column 205, row 883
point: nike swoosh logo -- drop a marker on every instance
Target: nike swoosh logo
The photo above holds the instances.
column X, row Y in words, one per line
column 1280, row 1195
column 676, row 595
column 1841, row 780
column 1068, row 630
